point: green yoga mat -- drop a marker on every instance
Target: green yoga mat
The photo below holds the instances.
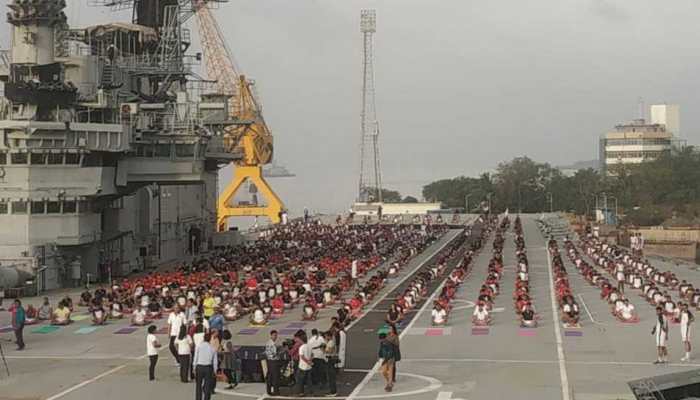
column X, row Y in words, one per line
column 46, row 329
column 79, row 317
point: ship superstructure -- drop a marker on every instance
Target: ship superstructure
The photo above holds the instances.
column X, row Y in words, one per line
column 109, row 147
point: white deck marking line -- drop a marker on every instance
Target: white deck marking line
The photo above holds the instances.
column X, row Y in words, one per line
column 366, row 379
column 585, row 307
column 557, row 332
column 96, row 378
column 87, row 382
column 433, row 385
column 396, row 284
column 506, row 361
column 80, row 358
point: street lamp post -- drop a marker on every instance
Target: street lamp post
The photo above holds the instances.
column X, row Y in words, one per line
column 466, row 202
column 615, row 198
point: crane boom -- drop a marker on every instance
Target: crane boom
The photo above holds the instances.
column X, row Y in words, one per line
column 254, row 140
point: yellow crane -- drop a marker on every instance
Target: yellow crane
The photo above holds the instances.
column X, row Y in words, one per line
column 253, row 140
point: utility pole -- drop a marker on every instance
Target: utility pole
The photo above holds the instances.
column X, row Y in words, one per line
column 370, row 164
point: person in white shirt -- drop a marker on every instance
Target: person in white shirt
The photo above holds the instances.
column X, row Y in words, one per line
column 318, row 370
column 660, row 333
column 176, row 319
column 627, row 312
column 184, row 344
column 481, row 315
column 687, row 319
column 439, row 315
column 303, row 378
column 152, row 346
column 138, row 317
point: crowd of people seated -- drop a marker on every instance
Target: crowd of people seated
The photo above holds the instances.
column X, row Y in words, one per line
column 522, row 296
column 568, row 307
column 481, row 316
column 620, row 306
column 417, row 288
column 630, row 268
column 442, row 305
column 305, row 265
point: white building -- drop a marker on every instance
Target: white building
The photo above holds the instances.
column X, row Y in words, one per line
column 638, row 141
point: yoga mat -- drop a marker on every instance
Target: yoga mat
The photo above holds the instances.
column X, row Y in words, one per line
column 417, row 331
column 79, row 317
column 126, row 331
column 480, row 331
column 297, row 325
column 46, row 329
column 287, row 332
column 434, row 332
column 85, row 330
column 249, row 331
column 573, row 333
column 527, row 332
column 6, row 329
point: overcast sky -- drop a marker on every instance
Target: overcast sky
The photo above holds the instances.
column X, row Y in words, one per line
column 461, row 84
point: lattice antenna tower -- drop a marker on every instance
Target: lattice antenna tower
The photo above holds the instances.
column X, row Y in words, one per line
column 370, row 189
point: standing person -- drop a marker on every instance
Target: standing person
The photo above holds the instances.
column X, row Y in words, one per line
column 303, row 378
column 152, row 346
column 176, row 320
column 687, row 319
column 273, row 365
column 331, row 352
column 318, row 372
column 184, row 344
column 386, row 359
column 19, row 317
column 228, row 360
column 216, row 322
column 660, row 332
column 393, row 338
column 204, row 361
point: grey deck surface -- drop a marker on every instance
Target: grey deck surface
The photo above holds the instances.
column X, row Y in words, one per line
column 455, row 365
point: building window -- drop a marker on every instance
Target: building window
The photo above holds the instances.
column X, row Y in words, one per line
column 184, row 150
column 38, row 158
column 84, row 206
column 163, row 150
column 19, row 207
column 55, row 158
column 19, row 158
column 37, row 207
column 72, row 158
column 53, row 207
column 4, row 208
column 69, row 207
column 3, row 158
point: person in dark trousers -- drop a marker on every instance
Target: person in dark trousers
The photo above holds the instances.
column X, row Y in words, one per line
column 331, row 352
column 273, row 365
column 393, row 338
column 205, row 361
column 19, row 317
column 152, row 346
column 183, row 344
column 228, row 362
column 318, row 371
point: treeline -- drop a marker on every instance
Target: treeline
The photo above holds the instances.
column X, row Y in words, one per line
column 667, row 188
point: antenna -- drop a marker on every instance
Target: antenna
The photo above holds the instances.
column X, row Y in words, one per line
column 370, row 189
